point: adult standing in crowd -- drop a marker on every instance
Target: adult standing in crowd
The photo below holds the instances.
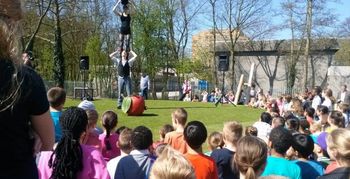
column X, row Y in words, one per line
column 123, row 64
column 24, row 109
column 144, row 85
column 317, row 97
column 186, row 89
column 27, row 58
column 344, row 95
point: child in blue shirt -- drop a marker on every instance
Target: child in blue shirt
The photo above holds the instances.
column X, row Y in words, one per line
column 56, row 97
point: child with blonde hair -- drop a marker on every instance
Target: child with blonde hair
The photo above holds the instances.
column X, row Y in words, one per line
column 250, row 157
column 215, row 141
column 232, row 132
column 176, row 138
column 171, row 164
column 251, row 131
column 338, row 142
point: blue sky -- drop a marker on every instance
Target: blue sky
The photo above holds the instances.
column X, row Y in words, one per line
column 341, row 9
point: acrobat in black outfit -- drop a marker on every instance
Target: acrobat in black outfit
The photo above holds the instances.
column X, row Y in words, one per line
column 125, row 30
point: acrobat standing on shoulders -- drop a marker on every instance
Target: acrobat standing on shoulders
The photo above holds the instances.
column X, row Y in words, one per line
column 123, row 65
column 125, row 30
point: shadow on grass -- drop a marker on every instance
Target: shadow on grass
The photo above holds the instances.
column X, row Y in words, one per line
column 149, row 115
column 175, row 107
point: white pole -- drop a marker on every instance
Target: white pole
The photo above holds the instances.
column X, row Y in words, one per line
column 239, row 88
column 250, row 79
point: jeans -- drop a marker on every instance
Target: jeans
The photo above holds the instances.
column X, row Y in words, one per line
column 123, row 82
column 144, row 93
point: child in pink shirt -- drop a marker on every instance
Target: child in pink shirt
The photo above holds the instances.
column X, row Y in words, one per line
column 71, row 159
column 91, row 136
column 109, row 138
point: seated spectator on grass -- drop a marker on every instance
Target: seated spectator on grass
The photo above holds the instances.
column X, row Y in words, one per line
column 232, row 132
column 195, row 98
column 272, row 108
column 195, row 135
column 279, row 141
column 339, row 149
column 322, row 114
column 292, row 124
column 187, row 97
column 320, row 149
column 309, row 114
column 70, row 159
column 303, row 147
column 329, row 99
column 277, row 121
column 315, row 130
column 57, row 98
column 91, row 136
column 345, row 109
column 88, row 105
column 109, row 138
column 166, row 128
column 264, row 126
column 204, row 96
column 251, row 131
column 250, row 157
column 139, row 162
column 124, row 144
column 171, row 164
column 296, row 108
column 176, row 138
column 304, row 127
column 335, row 120
column 215, row 141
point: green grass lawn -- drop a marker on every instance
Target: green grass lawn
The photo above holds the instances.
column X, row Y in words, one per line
column 159, row 113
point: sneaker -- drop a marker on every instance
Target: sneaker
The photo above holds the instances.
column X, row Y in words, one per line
column 119, row 107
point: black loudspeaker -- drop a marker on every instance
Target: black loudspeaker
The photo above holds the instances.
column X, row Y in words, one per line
column 125, row 2
column 223, row 63
column 84, row 63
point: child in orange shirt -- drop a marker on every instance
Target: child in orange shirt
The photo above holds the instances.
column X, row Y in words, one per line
column 195, row 135
column 176, row 138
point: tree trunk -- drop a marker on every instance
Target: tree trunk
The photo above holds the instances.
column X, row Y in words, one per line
column 308, row 39
column 58, row 72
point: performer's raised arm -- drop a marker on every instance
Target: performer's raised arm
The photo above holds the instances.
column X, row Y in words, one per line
column 115, row 9
column 133, row 57
column 113, row 56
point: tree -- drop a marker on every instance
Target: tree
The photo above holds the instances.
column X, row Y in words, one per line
column 269, row 66
column 58, row 58
column 344, row 30
column 240, row 17
column 307, row 20
column 43, row 8
column 308, row 39
column 213, row 63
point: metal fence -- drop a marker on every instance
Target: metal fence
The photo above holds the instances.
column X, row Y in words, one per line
column 171, row 90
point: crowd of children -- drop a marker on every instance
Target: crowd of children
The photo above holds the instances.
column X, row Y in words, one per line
column 303, row 142
column 303, row 136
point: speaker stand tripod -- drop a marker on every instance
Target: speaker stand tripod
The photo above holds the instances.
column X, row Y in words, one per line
column 223, row 95
column 85, row 95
